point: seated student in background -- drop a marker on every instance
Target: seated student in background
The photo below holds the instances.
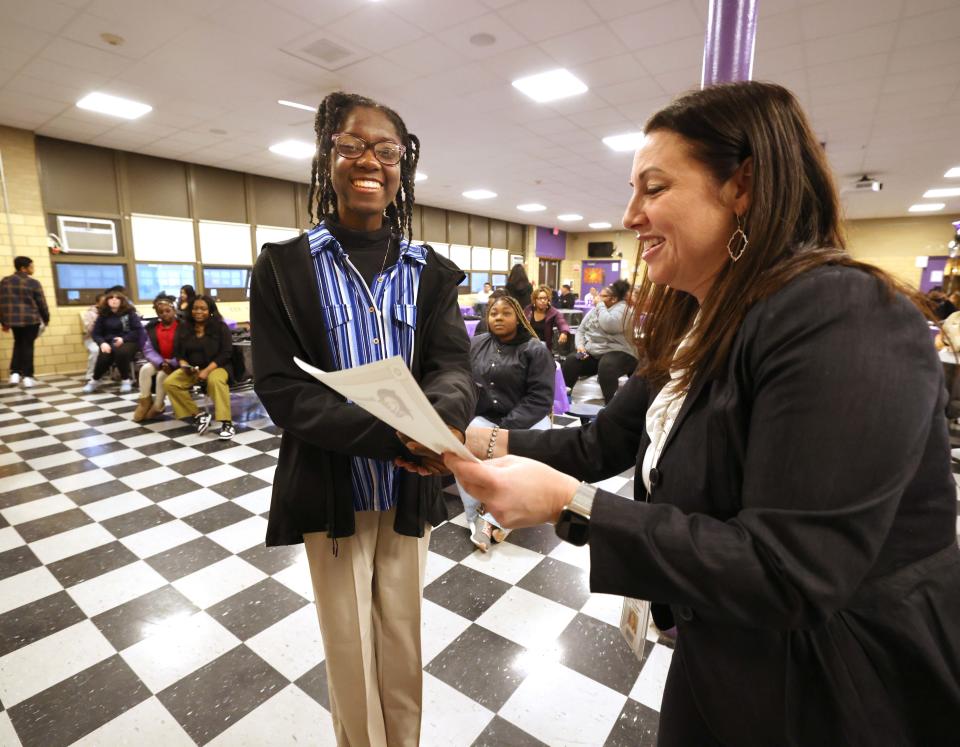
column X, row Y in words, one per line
column 203, row 348
column 592, row 297
column 568, row 298
column 161, row 360
column 484, row 295
column 93, row 350
column 185, row 302
column 544, row 319
column 602, row 347
column 117, row 334
column 514, row 376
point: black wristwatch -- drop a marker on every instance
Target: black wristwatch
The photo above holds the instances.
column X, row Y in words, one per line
column 573, row 526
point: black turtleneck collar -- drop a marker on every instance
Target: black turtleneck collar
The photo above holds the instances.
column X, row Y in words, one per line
column 351, row 239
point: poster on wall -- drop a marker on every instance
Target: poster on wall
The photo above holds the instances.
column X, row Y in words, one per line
column 516, row 259
column 593, row 275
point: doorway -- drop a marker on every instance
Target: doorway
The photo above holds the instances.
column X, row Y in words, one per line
column 550, row 273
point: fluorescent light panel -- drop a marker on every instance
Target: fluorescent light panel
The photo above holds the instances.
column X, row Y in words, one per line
column 295, row 105
column 953, row 173
column 945, row 192
column 294, row 149
column 627, row 141
column 531, row 207
column 551, row 85
column 569, row 217
column 479, row 194
column 115, row 106
column 600, row 224
column 420, row 177
column 926, row 207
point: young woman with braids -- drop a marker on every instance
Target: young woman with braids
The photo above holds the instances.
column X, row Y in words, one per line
column 354, row 290
column 514, row 375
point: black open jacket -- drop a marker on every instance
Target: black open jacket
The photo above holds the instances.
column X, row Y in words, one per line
column 801, row 526
column 312, row 490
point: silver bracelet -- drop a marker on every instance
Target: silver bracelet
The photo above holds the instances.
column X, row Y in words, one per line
column 493, row 441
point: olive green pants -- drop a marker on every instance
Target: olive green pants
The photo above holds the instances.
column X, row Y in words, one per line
column 178, row 390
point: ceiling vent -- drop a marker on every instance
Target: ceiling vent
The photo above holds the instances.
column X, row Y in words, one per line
column 327, row 54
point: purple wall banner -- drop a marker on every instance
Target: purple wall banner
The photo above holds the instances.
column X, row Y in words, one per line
column 728, row 46
column 550, row 246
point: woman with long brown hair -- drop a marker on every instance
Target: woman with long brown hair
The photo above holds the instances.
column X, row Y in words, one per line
column 795, row 512
column 117, row 334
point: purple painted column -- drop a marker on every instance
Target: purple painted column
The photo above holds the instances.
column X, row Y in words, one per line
column 728, row 46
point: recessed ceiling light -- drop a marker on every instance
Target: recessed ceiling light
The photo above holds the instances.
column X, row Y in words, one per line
column 946, row 192
column 295, row 105
column 113, row 105
column 420, row 177
column 569, row 217
column 600, row 224
column 627, row 141
column 114, row 40
column 294, row 149
column 479, row 194
column 926, row 207
column 531, row 207
column 551, row 85
column 953, row 173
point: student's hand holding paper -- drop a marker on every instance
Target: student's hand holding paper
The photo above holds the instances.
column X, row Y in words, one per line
column 428, row 462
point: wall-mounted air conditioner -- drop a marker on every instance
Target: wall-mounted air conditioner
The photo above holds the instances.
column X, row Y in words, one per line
column 87, row 235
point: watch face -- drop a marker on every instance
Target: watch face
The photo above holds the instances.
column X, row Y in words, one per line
column 573, row 528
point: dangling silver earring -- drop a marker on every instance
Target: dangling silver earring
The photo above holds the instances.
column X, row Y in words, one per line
column 738, row 239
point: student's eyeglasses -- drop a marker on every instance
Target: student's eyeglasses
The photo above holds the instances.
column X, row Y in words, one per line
column 350, row 146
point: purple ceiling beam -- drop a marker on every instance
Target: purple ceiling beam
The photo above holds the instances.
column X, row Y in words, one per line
column 728, row 47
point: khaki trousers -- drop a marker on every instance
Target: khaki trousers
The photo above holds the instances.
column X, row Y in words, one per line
column 178, row 386
column 147, row 372
column 368, row 601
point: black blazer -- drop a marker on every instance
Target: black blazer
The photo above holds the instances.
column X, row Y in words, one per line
column 802, row 523
column 312, row 488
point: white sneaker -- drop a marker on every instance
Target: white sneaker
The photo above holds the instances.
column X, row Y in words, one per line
column 14, row 379
column 126, row 386
column 91, row 386
column 29, row 382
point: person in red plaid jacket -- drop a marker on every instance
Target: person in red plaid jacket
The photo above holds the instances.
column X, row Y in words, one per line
column 24, row 310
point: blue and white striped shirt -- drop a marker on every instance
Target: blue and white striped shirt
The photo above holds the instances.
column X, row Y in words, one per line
column 363, row 327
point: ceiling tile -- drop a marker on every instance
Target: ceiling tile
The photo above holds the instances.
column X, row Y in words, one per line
column 912, row 59
column 859, row 43
column 41, row 15
column 16, row 36
column 373, row 27
column 900, row 82
column 658, row 25
column 505, row 38
column 778, row 31
column 640, row 89
column 143, row 32
column 849, row 71
column 679, row 81
column 830, row 18
column 253, row 19
column 584, row 45
column 772, row 62
column 620, row 69
column 609, row 10
column 434, row 16
column 425, row 55
column 86, row 58
column 930, row 27
column 520, row 62
column 663, row 58
column 538, row 20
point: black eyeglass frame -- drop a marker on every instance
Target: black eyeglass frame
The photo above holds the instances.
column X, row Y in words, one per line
column 335, row 138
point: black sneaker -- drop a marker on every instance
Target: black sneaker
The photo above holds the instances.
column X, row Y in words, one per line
column 202, row 421
column 227, row 431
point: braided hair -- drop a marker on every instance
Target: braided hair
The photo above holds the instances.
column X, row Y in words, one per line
column 522, row 320
column 322, row 200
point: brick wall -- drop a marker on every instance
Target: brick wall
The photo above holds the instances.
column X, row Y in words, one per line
column 60, row 350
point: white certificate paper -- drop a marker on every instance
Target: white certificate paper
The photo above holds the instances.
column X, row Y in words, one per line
column 387, row 390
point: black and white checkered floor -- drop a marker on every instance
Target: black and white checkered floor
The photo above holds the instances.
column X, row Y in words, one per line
column 138, row 604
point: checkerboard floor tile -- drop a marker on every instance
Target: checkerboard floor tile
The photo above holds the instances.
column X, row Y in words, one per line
column 138, row 604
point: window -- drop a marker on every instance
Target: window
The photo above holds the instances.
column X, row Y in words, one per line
column 442, row 249
column 225, row 243
column 273, row 234
column 158, row 239
column 78, row 284
column 480, row 258
column 499, row 259
column 477, row 279
column 460, row 256
column 499, row 280
column 152, row 279
column 227, row 283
